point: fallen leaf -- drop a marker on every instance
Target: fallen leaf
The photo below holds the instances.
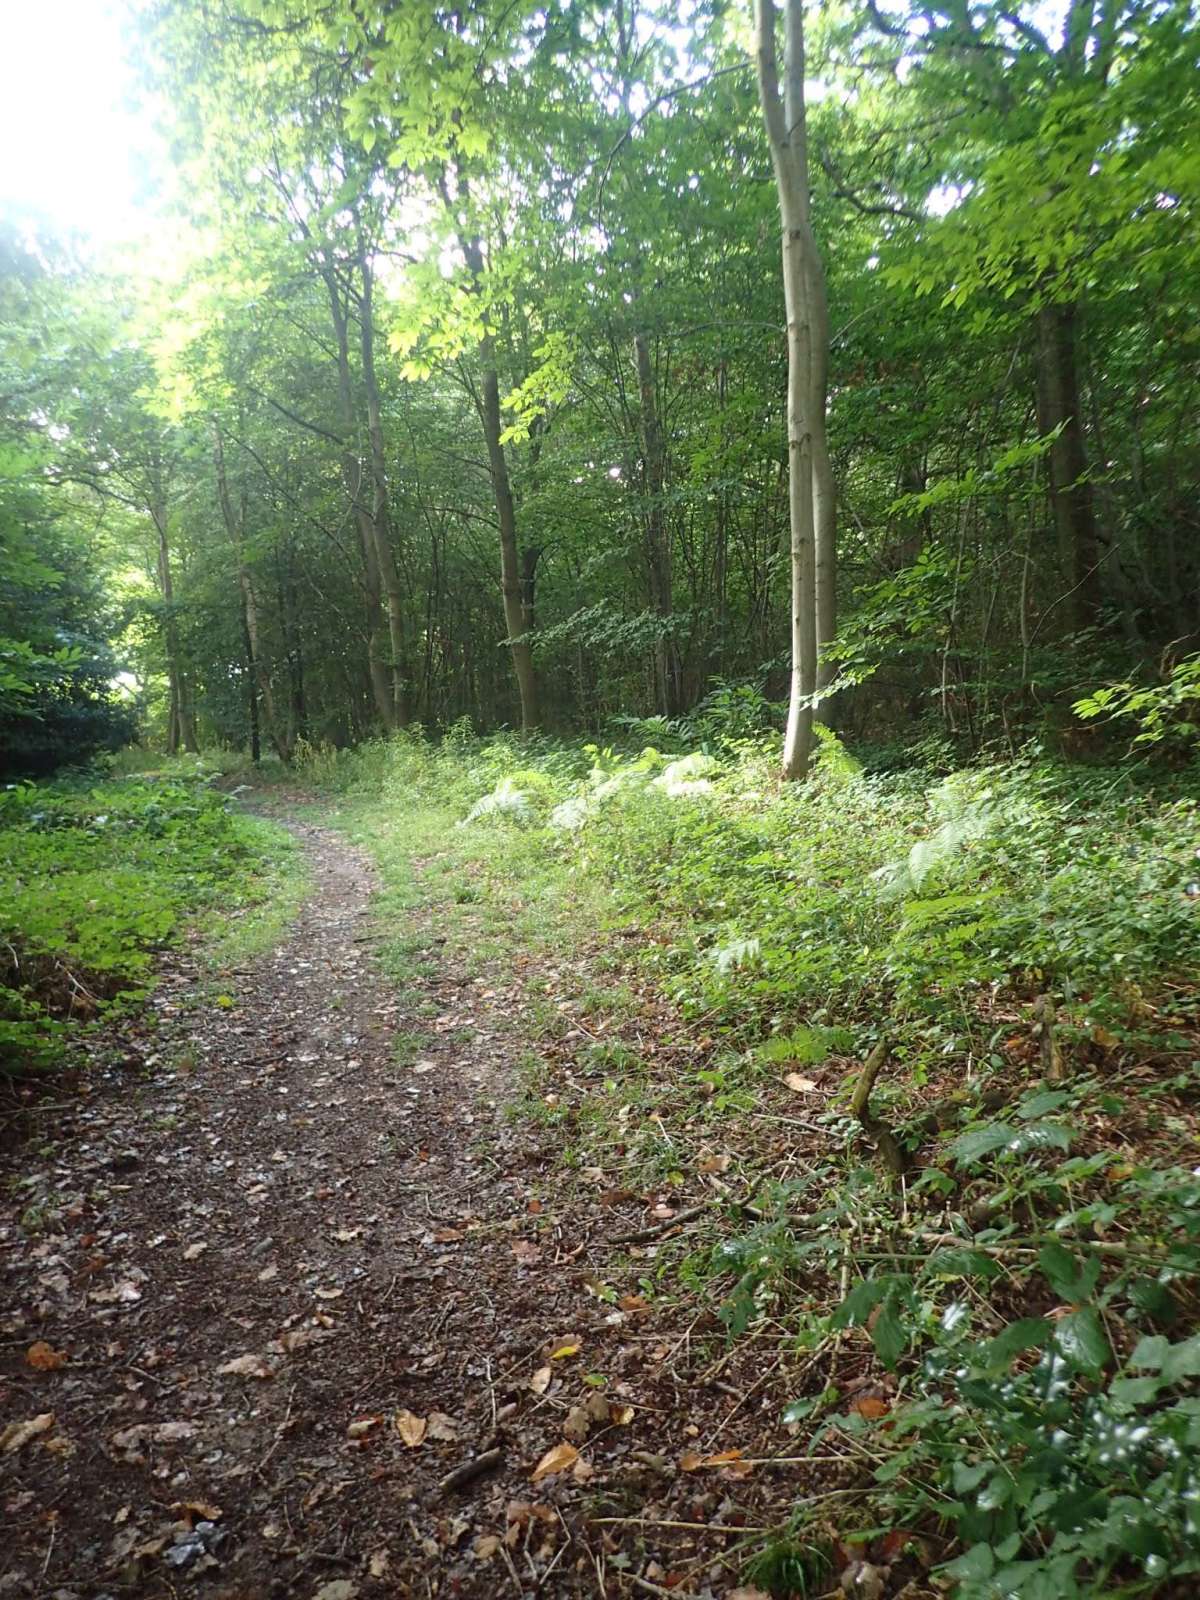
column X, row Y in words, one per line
column 42, row 1357
column 693, row 1461
column 379, row 1563
column 557, row 1459
column 246, row 1367
column 267, row 1274
column 578, row 1423
column 344, row 1235
column 621, row 1415
column 747, row 1594
column 125, row 1292
column 362, row 1427
column 447, row 1236
column 485, row 1546
column 714, row 1164
column 339, row 1589
column 526, row 1252
column 194, row 1250
column 563, row 1351
column 329, row 1294
column 441, row 1426
column 634, row 1302
column 870, row 1406
column 798, row 1082
column 410, row 1428
column 198, row 1510
column 540, row 1380
column 20, row 1433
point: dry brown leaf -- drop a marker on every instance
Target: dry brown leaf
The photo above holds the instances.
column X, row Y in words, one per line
column 195, row 1250
column 411, row 1428
column 714, row 1164
column 267, row 1274
column 43, row 1357
column 633, row 1302
column 199, row 1510
column 441, row 1426
column 621, row 1415
column 540, row 1381
column 526, row 1252
column 798, row 1082
column 747, row 1594
column 246, row 1367
column 329, row 1294
column 379, row 1563
column 870, row 1406
column 485, row 1546
column 20, row 1433
column 344, row 1235
column 693, row 1461
column 339, row 1589
column 559, row 1458
column 362, row 1426
column 578, row 1423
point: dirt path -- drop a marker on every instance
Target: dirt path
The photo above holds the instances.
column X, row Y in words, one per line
column 261, row 1299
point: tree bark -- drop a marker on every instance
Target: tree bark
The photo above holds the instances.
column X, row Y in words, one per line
column 658, row 539
column 515, row 619
column 260, row 692
column 381, row 522
column 1067, row 461
column 352, row 478
column 181, row 723
column 811, row 505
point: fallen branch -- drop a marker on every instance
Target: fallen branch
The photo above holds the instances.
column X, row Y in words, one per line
column 467, row 1471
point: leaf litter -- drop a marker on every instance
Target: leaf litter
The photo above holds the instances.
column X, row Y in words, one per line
column 340, row 1246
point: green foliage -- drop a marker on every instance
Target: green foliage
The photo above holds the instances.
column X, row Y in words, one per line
column 1162, row 712
column 95, row 879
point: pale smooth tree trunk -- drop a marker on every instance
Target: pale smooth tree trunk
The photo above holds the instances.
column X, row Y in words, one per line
column 658, row 538
column 811, row 499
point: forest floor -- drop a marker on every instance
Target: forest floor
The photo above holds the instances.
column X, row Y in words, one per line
column 292, row 1309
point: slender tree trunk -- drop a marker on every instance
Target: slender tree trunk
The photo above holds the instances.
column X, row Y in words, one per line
column 181, row 723
column 506, row 514
column 381, row 524
column 260, row 676
column 658, row 539
column 1067, row 461
column 352, row 479
column 811, row 510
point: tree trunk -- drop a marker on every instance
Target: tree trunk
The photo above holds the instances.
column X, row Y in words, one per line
column 810, row 487
column 381, row 524
column 260, row 676
column 506, row 514
column 181, row 724
column 352, row 479
column 658, row 541
column 1067, row 463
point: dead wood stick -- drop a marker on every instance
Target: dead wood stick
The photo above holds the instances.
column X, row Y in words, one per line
column 467, row 1471
column 641, row 1235
column 889, row 1147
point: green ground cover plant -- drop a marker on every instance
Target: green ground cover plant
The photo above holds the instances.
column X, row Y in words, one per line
column 98, row 875
column 1019, row 941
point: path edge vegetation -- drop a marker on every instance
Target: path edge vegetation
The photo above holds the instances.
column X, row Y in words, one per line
column 994, row 1227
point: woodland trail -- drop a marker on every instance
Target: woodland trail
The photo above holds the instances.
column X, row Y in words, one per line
column 265, row 1294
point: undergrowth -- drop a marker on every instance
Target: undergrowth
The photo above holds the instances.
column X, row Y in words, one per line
column 100, row 874
column 1019, row 944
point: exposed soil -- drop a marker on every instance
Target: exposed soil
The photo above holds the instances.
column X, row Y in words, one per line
column 266, row 1290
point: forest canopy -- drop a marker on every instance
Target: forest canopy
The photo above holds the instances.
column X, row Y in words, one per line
column 466, row 390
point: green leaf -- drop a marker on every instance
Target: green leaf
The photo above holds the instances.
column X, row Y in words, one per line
column 976, row 1143
column 1030, row 1333
column 1070, row 1279
column 889, row 1335
column 1082, row 1341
